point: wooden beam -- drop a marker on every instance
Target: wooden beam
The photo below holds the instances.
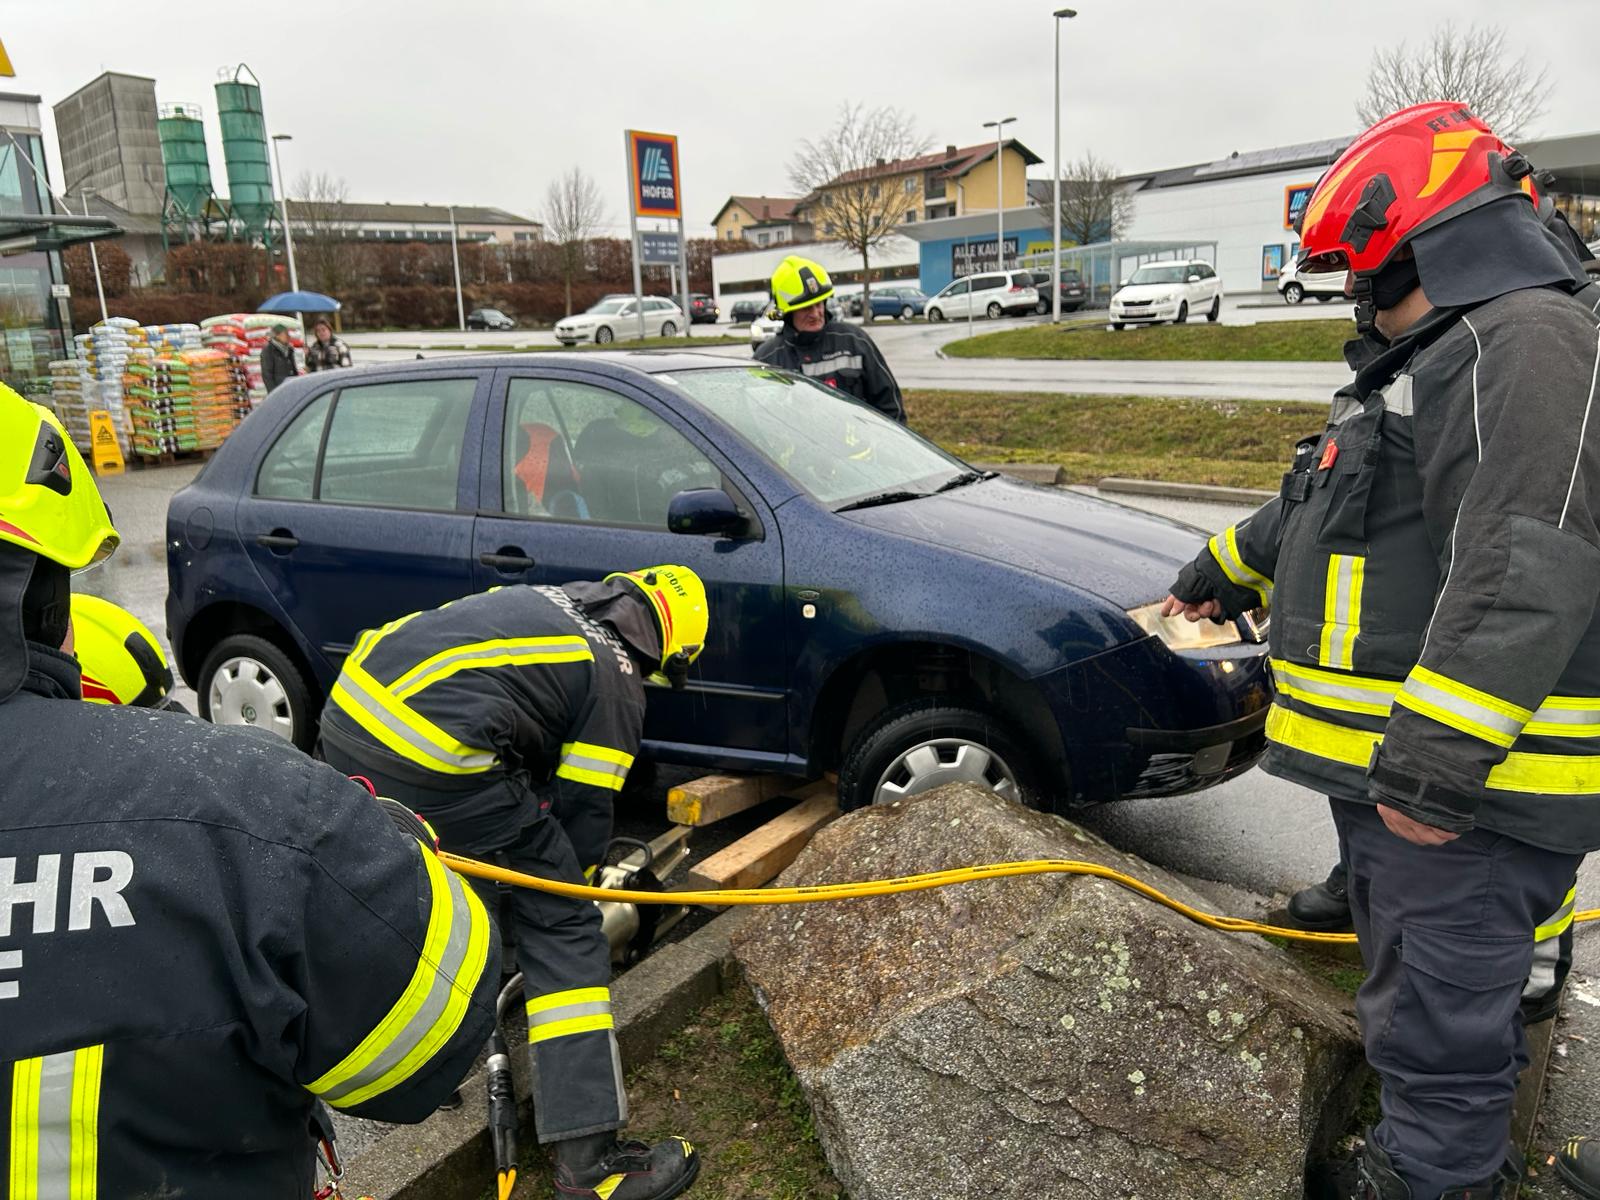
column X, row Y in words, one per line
column 712, row 797
column 758, row 857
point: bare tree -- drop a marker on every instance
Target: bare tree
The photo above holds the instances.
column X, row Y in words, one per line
column 1094, row 206
column 1472, row 65
column 849, row 179
column 319, row 209
column 573, row 214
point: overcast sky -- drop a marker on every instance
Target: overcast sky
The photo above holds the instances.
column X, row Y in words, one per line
column 484, row 101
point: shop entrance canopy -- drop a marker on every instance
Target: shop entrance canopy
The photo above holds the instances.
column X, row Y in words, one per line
column 25, row 233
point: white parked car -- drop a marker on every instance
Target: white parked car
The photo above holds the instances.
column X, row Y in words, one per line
column 764, row 327
column 615, row 319
column 1295, row 287
column 1167, row 291
column 991, row 295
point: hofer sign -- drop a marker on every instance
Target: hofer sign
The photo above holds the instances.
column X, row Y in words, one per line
column 653, row 162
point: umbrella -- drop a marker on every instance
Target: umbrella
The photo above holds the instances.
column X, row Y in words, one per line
column 299, row 302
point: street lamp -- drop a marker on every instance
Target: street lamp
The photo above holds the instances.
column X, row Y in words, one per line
column 999, row 128
column 283, row 200
column 1061, row 14
column 455, row 259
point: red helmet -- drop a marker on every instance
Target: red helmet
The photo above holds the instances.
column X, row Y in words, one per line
column 1411, row 171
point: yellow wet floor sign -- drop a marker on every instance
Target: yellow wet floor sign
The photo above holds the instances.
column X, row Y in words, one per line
column 103, row 442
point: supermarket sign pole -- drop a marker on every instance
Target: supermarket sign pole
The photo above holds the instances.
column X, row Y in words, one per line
column 103, row 444
column 655, row 189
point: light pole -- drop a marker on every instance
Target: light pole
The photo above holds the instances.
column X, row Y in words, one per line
column 283, row 199
column 1061, row 14
column 999, row 128
column 455, row 259
column 94, row 257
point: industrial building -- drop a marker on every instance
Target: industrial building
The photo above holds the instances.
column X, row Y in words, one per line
column 110, row 146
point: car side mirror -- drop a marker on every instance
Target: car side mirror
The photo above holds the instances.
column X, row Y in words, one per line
column 1194, row 279
column 701, row 511
column 1124, row 283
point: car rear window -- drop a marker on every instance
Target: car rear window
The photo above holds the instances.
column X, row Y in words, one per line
column 983, row 283
column 397, row 444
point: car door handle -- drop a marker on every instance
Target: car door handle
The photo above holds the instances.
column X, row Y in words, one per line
column 509, row 560
column 278, row 539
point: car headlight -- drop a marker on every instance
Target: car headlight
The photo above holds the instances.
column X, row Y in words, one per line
column 1179, row 633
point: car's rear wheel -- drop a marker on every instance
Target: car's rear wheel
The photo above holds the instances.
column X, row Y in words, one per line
column 1215, row 310
column 603, row 335
column 928, row 743
column 247, row 680
column 1042, row 307
column 1293, row 293
column 994, row 310
column 907, row 312
column 935, row 315
column 668, row 329
column 1324, row 297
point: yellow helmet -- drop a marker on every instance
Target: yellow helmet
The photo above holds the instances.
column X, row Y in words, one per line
column 799, row 283
column 121, row 659
column 678, row 599
column 49, row 503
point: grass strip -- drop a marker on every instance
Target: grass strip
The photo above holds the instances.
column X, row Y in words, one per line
column 1266, row 341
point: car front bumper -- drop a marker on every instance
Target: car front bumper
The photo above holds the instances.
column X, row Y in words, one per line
column 1146, row 312
column 571, row 337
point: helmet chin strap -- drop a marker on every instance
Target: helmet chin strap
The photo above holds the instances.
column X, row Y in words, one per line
column 1366, row 306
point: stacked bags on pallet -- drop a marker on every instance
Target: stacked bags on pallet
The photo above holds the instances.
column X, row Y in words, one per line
column 73, row 394
column 181, row 401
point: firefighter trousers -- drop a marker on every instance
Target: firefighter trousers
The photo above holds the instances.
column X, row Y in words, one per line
column 1447, row 935
column 560, row 946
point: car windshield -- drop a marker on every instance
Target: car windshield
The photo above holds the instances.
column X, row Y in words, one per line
column 835, row 448
column 608, row 307
column 1160, row 275
column 493, row 312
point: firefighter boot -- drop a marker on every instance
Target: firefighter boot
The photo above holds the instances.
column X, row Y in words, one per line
column 599, row 1167
column 1376, row 1179
column 1578, row 1164
column 1324, row 907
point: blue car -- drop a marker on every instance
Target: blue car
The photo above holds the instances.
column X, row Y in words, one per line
column 880, row 609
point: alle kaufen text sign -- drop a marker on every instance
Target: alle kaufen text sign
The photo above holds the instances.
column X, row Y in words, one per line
column 654, row 159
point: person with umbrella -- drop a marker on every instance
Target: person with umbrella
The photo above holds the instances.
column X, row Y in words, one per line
column 277, row 358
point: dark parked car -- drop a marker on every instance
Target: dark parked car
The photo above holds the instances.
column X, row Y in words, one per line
column 1073, row 294
column 901, row 303
column 895, row 616
column 744, row 311
column 489, row 318
column 702, row 309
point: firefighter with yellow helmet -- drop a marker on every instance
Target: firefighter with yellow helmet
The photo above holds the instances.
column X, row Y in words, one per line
column 304, row 949
column 833, row 353
column 121, row 661
column 510, row 720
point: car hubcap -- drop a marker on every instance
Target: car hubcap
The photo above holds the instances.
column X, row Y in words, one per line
column 245, row 692
column 939, row 761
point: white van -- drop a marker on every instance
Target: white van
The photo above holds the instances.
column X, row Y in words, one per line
column 999, row 292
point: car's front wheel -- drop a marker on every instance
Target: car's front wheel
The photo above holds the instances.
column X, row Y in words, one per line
column 936, row 315
column 247, row 680
column 1293, row 293
column 928, row 743
column 603, row 335
column 1183, row 313
column 1215, row 310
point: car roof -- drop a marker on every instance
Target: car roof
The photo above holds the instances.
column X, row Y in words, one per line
column 616, row 363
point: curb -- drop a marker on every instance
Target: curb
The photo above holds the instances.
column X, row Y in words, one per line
column 1046, row 473
column 1185, row 491
column 449, row 1156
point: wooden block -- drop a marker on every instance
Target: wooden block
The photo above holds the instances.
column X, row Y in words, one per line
column 758, row 857
column 712, row 797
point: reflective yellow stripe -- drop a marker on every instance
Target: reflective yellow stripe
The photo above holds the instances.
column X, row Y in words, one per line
column 609, row 1184
column 55, row 1120
column 1537, row 774
column 1561, row 920
column 409, row 734
column 556, row 1029
column 604, row 753
column 1566, row 716
column 502, row 652
column 598, row 766
column 433, row 1004
column 1225, row 549
column 554, row 1000
column 1452, row 703
column 1341, row 610
column 599, row 779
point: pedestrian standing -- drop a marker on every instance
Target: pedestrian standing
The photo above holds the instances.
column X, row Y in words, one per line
column 325, row 351
column 277, row 358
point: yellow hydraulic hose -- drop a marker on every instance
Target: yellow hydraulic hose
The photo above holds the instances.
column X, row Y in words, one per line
column 818, row 893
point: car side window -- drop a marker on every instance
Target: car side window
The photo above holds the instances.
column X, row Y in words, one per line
column 576, row 452
column 987, row 283
column 397, row 444
column 288, row 471
column 958, row 288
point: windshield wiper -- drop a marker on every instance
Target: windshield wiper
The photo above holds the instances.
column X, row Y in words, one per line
column 963, row 479
column 881, row 498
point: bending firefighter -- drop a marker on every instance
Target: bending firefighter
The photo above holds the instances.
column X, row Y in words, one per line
column 202, row 933
column 1432, row 562
column 465, row 713
column 831, row 352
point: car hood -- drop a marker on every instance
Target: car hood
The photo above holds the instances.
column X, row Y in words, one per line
column 1123, row 555
column 1147, row 291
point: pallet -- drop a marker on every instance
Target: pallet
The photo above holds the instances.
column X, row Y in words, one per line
column 169, row 458
column 710, row 798
column 758, row 857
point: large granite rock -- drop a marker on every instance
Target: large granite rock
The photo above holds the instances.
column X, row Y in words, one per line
column 1042, row 1037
